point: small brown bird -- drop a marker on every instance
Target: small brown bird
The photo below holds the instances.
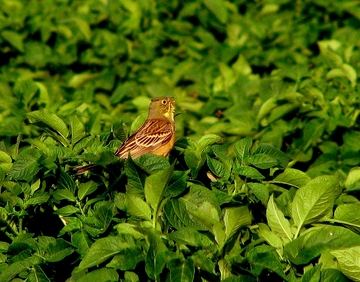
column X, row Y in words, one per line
column 156, row 136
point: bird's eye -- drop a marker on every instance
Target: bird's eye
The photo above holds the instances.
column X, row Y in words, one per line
column 163, row 102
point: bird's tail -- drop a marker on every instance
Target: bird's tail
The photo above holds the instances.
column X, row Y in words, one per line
column 84, row 168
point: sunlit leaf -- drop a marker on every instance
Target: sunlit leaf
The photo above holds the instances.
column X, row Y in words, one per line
column 349, row 262
column 317, row 240
column 103, row 249
column 101, row 275
column 314, row 200
column 135, row 206
column 218, row 8
column 26, row 165
column 77, row 129
column 236, row 218
column 277, row 221
column 242, row 149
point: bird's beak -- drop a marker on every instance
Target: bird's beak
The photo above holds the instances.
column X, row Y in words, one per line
column 172, row 104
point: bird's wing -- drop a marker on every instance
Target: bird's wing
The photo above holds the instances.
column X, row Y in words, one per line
column 153, row 134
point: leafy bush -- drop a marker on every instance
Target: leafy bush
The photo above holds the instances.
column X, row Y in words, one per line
column 263, row 181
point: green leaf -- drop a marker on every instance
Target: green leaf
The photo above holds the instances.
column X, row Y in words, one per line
column 36, row 53
column 77, row 80
column 104, row 215
column 100, row 275
column 66, row 182
column 77, row 129
column 51, row 121
column 17, row 267
column 264, row 257
column 86, row 189
column 178, row 216
column 266, row 108
column 197, row 195
column 194, row 160
column 331, row 274
column 207, row 140
column 44, row 97
column 202, row 260
column 37, row 200
column 155, row 186
column 95, row 122
column 242, row 149
column 25, row 90
column 312, row 274
column 273, row 152
column 81, row 240
column 262, row 161
column 249, row 172
column 208, row 215
column 136, row 178
column 218, row 8
column 119, row 130
column 281, row 110
column 86, row 141
column 37, row 275
column 260, row 191
column 181, row 270
column 64, row 194
column 318, row 240
column 152, row 163
column 348, row 213
column 71, row 224
column 311, row 134
column 234, row 219
column 190, row 236
column 127, row 260
column 103, row 249
column 26, row 165
column 129, row 229
column 350, row 73
column 5, row 158
column 83, row 26
column 277, row 221
column 157, row 256
column 217, row 167
column 352, row 182
column 131, row 276
column 58, row 250
column 177, row 184
column 328, row 48
column 137, row 207
column 344, row 70
column 315, row 200
column 269, row 236
column 138, row 121
column 39, row 145
column 349, row 262
column 14, row 38
column 292, row 177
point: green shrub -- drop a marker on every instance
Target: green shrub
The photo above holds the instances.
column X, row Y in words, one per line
column 263, row 179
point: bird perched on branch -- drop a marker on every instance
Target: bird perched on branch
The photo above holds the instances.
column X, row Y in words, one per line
column 156, row 136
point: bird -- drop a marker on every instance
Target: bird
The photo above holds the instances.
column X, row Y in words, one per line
column 156, row 136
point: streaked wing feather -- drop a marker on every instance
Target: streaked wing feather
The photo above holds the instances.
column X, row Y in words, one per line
column 149, row 137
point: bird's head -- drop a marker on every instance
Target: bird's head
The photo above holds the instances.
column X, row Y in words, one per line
column 161, row 107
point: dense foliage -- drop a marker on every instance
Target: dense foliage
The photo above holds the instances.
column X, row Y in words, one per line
column 263, row 182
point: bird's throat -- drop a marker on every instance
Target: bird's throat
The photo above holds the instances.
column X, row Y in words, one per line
column 170, row 113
